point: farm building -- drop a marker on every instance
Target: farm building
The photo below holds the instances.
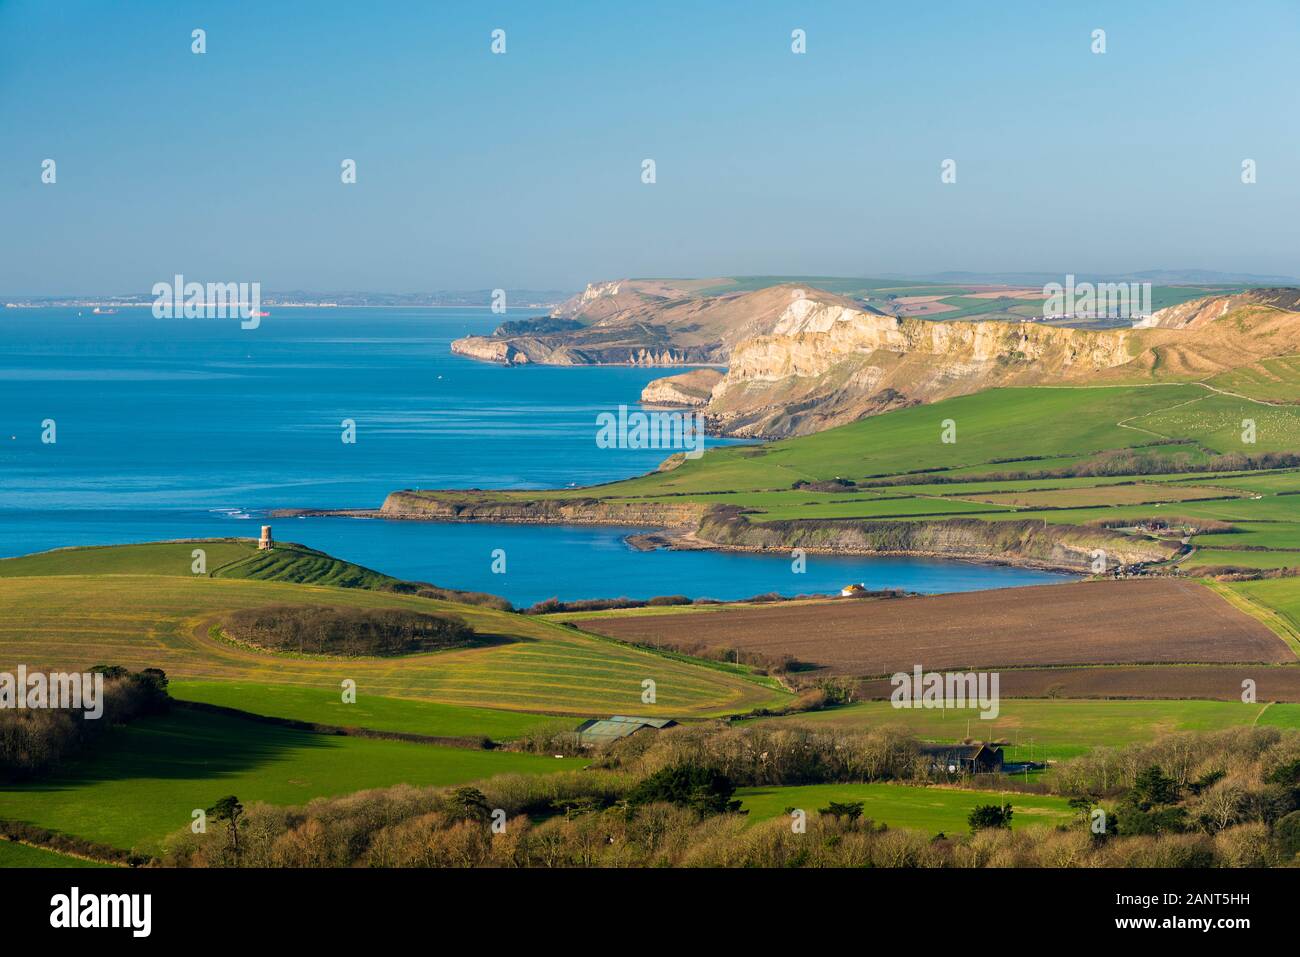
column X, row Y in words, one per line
column 600, row 731
column 981, row 758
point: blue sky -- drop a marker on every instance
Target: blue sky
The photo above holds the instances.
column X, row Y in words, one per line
column 477, row 171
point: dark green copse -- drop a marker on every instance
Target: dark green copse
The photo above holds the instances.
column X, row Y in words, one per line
column 688, row 785
column 989, row 816
column 849, row 810
column 469, row 804
column 1153, row 787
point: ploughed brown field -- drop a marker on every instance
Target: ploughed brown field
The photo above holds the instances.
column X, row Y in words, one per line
column 1081, row 623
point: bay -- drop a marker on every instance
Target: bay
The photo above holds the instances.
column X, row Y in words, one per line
column 193, row 428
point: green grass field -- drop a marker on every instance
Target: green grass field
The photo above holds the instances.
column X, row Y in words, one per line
column 929, row 809
column 1272, row 380
column 13, row 854
column 1217, row 422
column 994, row 426
column 222, row 558
column 73, row 622
column 148, row 777
column 294, row 563
column 1278, row 535
column 149, row 558
column 1211, row 557
column 1054, row 729
column 324, row 706
column 997, row 424
column 1282, row 595
column 869, row 507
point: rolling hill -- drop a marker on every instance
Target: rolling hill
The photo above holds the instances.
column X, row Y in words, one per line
column 86, row 612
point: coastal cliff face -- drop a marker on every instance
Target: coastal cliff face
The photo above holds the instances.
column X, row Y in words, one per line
column 489, row 350
column 800, row 360
column 695, row 525
column 689, row 389
column 430, row 506
column 523, row 350
column 639, row 322
column 812, row 336
column 1199, row 313
column 1067, row 547
column 824, row 364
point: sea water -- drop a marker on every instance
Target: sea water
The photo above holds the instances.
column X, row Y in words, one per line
column 179, row 428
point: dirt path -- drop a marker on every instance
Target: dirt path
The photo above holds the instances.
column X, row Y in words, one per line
column 1123, row 423
column 1238, row 395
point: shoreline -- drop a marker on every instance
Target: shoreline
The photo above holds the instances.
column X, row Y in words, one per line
column 681, row 538
column 685, row 540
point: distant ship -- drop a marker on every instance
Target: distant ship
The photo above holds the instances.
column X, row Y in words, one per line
column 103, row 312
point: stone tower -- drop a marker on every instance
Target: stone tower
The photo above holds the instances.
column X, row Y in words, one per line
column 264, row 543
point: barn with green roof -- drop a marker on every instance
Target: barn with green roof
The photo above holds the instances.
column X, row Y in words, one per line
column 600, row 731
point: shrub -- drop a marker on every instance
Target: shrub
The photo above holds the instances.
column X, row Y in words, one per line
column 989, row 816
column 659, row 600
column 552, row 606
column 425, row 590
column 849, row 810
column 687, row 785
column 1287, row 834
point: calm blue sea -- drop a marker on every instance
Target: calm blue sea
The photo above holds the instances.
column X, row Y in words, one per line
column 189, row 428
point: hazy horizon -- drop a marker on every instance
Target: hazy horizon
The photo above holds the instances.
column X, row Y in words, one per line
column 477, row 170
column 1187, row 277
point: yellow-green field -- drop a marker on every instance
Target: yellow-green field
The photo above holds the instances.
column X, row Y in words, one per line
column 73, row 622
